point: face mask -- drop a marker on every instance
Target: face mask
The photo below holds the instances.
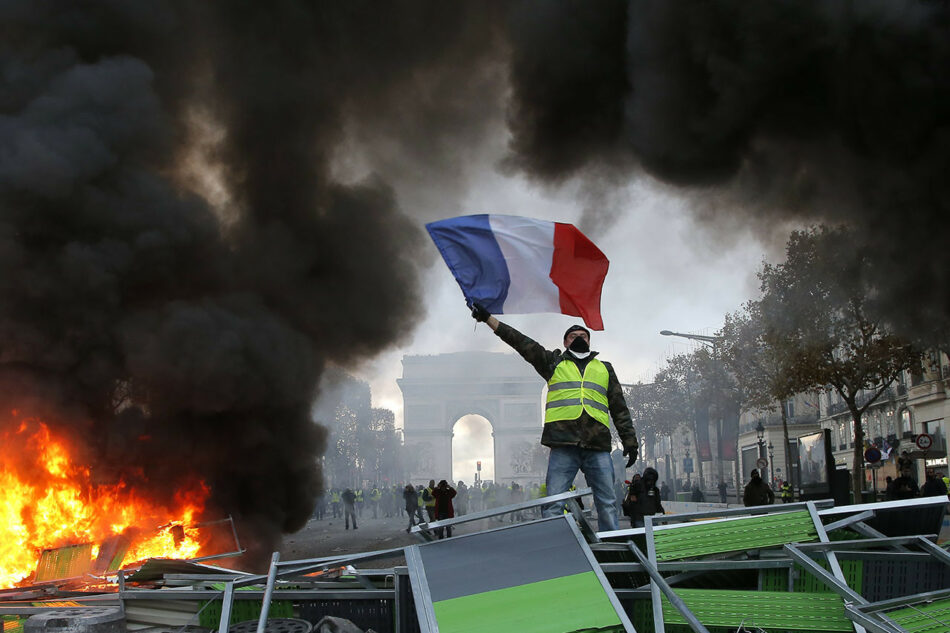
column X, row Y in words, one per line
column 579, row 345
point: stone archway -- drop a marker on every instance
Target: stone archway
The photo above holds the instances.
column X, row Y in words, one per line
column 438, row 390
column 473, row 443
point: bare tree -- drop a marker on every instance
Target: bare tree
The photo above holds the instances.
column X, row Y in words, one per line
column 815, row 315
column 758, row 364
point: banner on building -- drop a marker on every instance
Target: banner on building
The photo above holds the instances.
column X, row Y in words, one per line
column 730, row 432
column 703, row 450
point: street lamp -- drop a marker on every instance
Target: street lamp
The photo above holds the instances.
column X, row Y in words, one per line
column 713, row 342
column 687, row 466
column 771, row 465
column 759, row 434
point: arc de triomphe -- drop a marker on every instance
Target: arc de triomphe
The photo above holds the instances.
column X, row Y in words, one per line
column 503, row 388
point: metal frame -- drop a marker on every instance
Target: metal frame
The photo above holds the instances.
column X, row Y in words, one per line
column 698, row 565
column 849, row 521
column 237, row 542
column 872, row 613
column 595, row 566
column 268, row 593
column 830, row 579
column 831, row 558
column 901, row 504
column 668, row 521
column 285, row 594
column 423, row 599
column 421, row 596
column 424, row 530
column 401, row 586
column 657, row 581
column 865, row 543
column 658, row 625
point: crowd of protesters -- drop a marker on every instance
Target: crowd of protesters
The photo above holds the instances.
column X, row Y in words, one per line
column 640, row 497
column 425, row 504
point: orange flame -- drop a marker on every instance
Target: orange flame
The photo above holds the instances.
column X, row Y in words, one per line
column 47, row 501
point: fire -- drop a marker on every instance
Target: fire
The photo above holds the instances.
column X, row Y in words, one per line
column 48, row 501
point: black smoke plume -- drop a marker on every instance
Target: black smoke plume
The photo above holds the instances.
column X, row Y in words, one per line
column 181, row 255
column 174, row 336
column 791, row 111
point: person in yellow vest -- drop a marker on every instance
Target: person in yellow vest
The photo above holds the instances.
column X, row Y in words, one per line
column 584, row 394
column 542, row 492
column 787, row 494
column 359, row 502
column 374, row 497
column 428, row 500
column 335, row 503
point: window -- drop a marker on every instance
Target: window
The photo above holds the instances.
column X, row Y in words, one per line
column 906, row 424
column 789, row 409
column 934, row 428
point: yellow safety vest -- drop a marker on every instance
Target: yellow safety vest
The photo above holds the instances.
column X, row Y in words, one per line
column 430, row 502
column 570, row 394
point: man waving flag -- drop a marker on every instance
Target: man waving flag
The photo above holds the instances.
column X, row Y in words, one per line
column 515, row 265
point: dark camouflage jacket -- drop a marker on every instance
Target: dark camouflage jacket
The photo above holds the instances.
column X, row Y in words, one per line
column 585, row 431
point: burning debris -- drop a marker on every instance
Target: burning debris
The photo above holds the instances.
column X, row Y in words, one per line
column 808, row 566
column 49, row 500
column 185, row 245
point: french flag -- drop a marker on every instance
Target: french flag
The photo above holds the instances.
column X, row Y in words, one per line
column 515, row 265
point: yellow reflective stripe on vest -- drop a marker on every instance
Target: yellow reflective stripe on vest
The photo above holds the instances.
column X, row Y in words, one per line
column 570, row 394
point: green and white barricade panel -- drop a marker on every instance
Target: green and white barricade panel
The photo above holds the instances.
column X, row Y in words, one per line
column 537, row 577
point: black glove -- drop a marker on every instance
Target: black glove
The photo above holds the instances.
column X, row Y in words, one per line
column 479, row 313
column 631, row 454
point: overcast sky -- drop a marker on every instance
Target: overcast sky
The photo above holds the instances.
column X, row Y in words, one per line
column 667, row 271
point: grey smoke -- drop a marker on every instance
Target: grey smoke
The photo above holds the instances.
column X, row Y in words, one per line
column 132, row 317
column 780, row 112
column 127, row 306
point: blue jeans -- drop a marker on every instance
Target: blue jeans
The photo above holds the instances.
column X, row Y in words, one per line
column 598, row 470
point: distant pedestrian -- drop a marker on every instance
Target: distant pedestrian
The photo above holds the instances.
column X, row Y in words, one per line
column 722, row 491
column 321, row 509
column 461, row 500
column 349, row 509
column 444, row 509
column 374, row 496
column 664, row 492
column 335, row 503
column 787, row 494
column 428, row 500
column 905, row 462
column 933, row 486
column 697, row 495
column 904, row 486
column 411, row 500
column 757, row 492
column 643, row 498
column 889, row 488
column 476, row 497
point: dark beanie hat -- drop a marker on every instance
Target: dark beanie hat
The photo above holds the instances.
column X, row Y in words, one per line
column 575, row 328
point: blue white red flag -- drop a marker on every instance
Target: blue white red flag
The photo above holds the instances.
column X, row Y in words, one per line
column 516, row 265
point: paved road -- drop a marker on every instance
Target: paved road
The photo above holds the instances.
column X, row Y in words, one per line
column 330, row 538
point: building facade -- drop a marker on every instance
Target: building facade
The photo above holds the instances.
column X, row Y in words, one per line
column 916, row 404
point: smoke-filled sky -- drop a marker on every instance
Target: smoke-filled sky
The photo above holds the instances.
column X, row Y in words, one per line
column 203, row 204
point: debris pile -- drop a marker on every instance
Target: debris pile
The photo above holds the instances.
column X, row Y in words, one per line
column 806, row 566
